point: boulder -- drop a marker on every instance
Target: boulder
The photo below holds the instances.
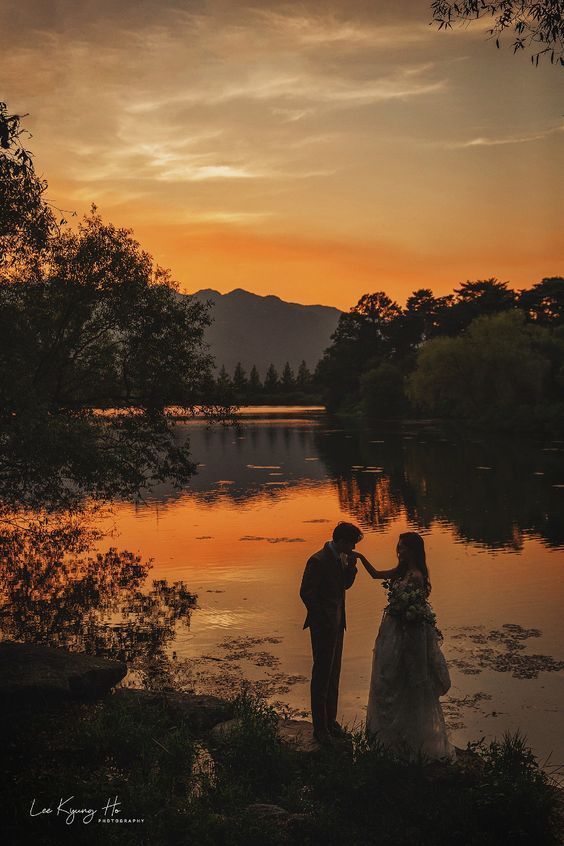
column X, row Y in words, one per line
column 200, row 711
column 220, row 733
column 35, row 675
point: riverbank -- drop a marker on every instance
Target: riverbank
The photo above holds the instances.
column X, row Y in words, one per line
column 179, row 768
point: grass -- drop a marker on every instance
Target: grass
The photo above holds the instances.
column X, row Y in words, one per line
column 355, row 793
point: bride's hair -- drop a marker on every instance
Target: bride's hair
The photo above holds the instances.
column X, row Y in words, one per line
column 415, row 544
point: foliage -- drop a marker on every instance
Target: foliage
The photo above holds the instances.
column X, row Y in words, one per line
column 88, row 321
column 378, row 350
column 382, row 392
column 364, row 338
column 534, row 24
column 26, row 220
column 251, row 759
column 354, row 793
column 501, row 371
column 98, row 325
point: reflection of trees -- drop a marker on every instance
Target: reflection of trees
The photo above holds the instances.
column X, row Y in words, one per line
column 55, row 591
column 435, row 479
column 369, row 498
column 496, row 506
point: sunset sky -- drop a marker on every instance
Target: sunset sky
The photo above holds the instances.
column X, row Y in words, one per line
column 313, row 150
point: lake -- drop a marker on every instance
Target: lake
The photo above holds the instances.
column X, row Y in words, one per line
column 267, row 495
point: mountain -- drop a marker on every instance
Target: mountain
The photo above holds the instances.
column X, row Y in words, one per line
column 264, row 330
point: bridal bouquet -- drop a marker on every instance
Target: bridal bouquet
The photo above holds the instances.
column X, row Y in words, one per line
column 409, row 603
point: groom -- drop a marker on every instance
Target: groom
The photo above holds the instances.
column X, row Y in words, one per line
column 328, row 574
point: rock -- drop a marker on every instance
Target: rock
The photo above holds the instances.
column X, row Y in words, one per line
column 220, row 732
column 36, row 675
column 201, row 712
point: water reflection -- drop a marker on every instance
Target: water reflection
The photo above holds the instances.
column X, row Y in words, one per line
column 493, row 492
column 56, row 591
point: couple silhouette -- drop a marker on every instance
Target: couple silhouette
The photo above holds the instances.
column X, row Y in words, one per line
column 409, row 672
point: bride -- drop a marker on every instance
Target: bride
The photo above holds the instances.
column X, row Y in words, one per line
column 409, row 671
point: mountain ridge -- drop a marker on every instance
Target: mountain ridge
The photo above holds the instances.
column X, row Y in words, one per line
column 263, row 330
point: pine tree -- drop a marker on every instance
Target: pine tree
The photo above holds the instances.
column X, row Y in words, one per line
column 255, row 384
column 240, row 382
column 223, row 380
column 271, row 383
column 288, row 382
column 303, row 379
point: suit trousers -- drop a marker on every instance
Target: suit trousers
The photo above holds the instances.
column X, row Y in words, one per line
column 327, row 648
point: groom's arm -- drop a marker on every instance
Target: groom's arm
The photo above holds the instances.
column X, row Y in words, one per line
column 309, row 591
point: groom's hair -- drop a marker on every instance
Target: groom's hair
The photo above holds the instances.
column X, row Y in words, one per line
column 347, row 532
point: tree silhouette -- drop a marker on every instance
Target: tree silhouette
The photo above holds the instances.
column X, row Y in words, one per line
column 544, row 302
column 271, row 383
column 255, row 384
column 88, row 321
column 288, row 382
column 26, row 220
column 240, row 382
column 534, row 24
column 303, row 379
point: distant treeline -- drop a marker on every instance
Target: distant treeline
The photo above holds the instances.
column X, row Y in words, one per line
column 486, row 354
column 244, row 388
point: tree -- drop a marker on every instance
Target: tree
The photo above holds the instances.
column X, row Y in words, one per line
column 303, row 379
column 473, row 299
column 502, row 371
column 26, row 220
column 96, row 323
column 88, row 320
column 223, row 380
column 271, row 383
column 534, row 24
column 382, row 392
column 544, row 302
column 240, row 381
column 365, row 337
column 255, row 384
column 421, row 320
column 288, row 382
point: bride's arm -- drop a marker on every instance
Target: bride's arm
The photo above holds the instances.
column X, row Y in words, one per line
column 372, row 571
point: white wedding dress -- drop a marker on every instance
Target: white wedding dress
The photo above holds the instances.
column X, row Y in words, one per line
column 409, row 673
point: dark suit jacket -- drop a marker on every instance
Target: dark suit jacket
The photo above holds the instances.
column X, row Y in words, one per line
column 323, row 588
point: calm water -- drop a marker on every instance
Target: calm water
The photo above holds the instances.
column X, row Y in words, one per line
column 268, row 494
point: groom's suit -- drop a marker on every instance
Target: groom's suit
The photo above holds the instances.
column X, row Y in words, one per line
column 326, row 578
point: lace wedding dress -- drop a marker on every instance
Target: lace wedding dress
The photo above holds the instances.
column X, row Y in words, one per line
column 409, row 673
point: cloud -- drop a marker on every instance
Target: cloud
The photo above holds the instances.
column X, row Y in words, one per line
column 496, row 142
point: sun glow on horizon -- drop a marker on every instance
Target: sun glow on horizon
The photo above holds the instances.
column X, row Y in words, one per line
column 317, row 151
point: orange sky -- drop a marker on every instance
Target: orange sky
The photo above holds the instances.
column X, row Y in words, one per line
column 314, row 150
